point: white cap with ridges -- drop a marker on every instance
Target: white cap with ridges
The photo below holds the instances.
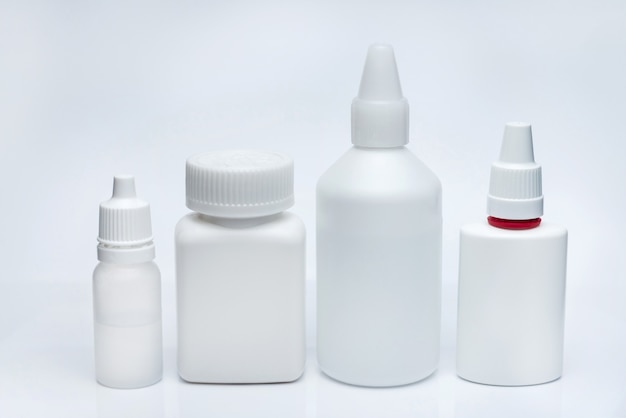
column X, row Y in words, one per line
column 239, row 183
column 124, row 219
column 515, row 186
column 125, row 226
column 380, row 114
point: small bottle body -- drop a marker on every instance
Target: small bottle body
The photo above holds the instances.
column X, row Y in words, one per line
column 240, row 298
column 511, row 304
column 378, row 268
column 127, row 324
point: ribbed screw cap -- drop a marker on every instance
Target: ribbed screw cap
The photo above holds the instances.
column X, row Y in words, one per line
column 239, row 183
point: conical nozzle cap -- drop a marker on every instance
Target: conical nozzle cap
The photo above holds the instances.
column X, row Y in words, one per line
column 380, row 114
column 124, row 187
column 515, row 186
column 517, row 144
column 380, row 79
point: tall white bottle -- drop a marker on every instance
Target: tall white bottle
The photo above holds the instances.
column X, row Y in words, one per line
column 127, row 293
column 512, row 277
column 379, row 245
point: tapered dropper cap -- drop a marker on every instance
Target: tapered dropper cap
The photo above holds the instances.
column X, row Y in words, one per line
column 515, row 186
column 125, row 227
column 124, row 218
column 380, row 114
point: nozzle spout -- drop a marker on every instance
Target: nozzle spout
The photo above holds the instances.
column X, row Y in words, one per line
column 517, row 144
column 380, row 79
column 124, row 186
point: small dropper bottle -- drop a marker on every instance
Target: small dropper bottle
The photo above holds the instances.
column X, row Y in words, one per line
column 126, row 293
column 512, row 272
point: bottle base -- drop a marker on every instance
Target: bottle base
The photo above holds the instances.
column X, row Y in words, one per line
column 489, row 382
column 190, row 376
column 378, row 383
column 139, row 385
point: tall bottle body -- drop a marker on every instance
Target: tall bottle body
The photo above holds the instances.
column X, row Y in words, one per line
column 511, row 304
column 127, row 324
column 378, row 268
column 240, row 298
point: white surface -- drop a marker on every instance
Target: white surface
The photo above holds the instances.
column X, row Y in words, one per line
column 46, row 360
column 88, row 90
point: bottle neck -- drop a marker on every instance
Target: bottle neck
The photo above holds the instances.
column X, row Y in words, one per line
column 126, row 255
column 513, row 223
column 239, row 222
column 378, row 148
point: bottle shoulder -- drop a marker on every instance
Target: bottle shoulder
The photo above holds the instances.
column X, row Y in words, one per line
column 195, row 226
column 484, row 230
column 382, row 170
column 105, row 269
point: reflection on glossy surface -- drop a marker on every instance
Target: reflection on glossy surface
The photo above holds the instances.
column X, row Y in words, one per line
column 132, row 403
column 537, row 401
column 335, row 399
column 256, row 400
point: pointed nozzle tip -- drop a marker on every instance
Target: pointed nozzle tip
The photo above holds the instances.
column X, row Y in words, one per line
column 380, row 80
column 380, row 48
column 517, row 144
column 124, row 186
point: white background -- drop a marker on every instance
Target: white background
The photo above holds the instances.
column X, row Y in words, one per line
column 93, row 89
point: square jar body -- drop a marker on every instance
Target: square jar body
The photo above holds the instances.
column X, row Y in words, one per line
column 240, row 299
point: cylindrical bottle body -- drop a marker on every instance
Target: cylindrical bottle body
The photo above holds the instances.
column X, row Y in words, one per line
column 127, row 322
column 511, row 304
column 378, row 268
column 240, row 294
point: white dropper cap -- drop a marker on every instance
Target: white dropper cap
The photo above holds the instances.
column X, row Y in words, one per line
column 380, row 114
column 125, row 225
column 515, row 186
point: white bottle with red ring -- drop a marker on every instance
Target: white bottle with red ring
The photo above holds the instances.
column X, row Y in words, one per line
column 512, row 271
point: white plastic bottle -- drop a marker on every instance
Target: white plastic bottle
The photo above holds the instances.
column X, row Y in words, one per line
column 512, row 278
column 378, row 245
column 240, row 271
column 127, row 293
